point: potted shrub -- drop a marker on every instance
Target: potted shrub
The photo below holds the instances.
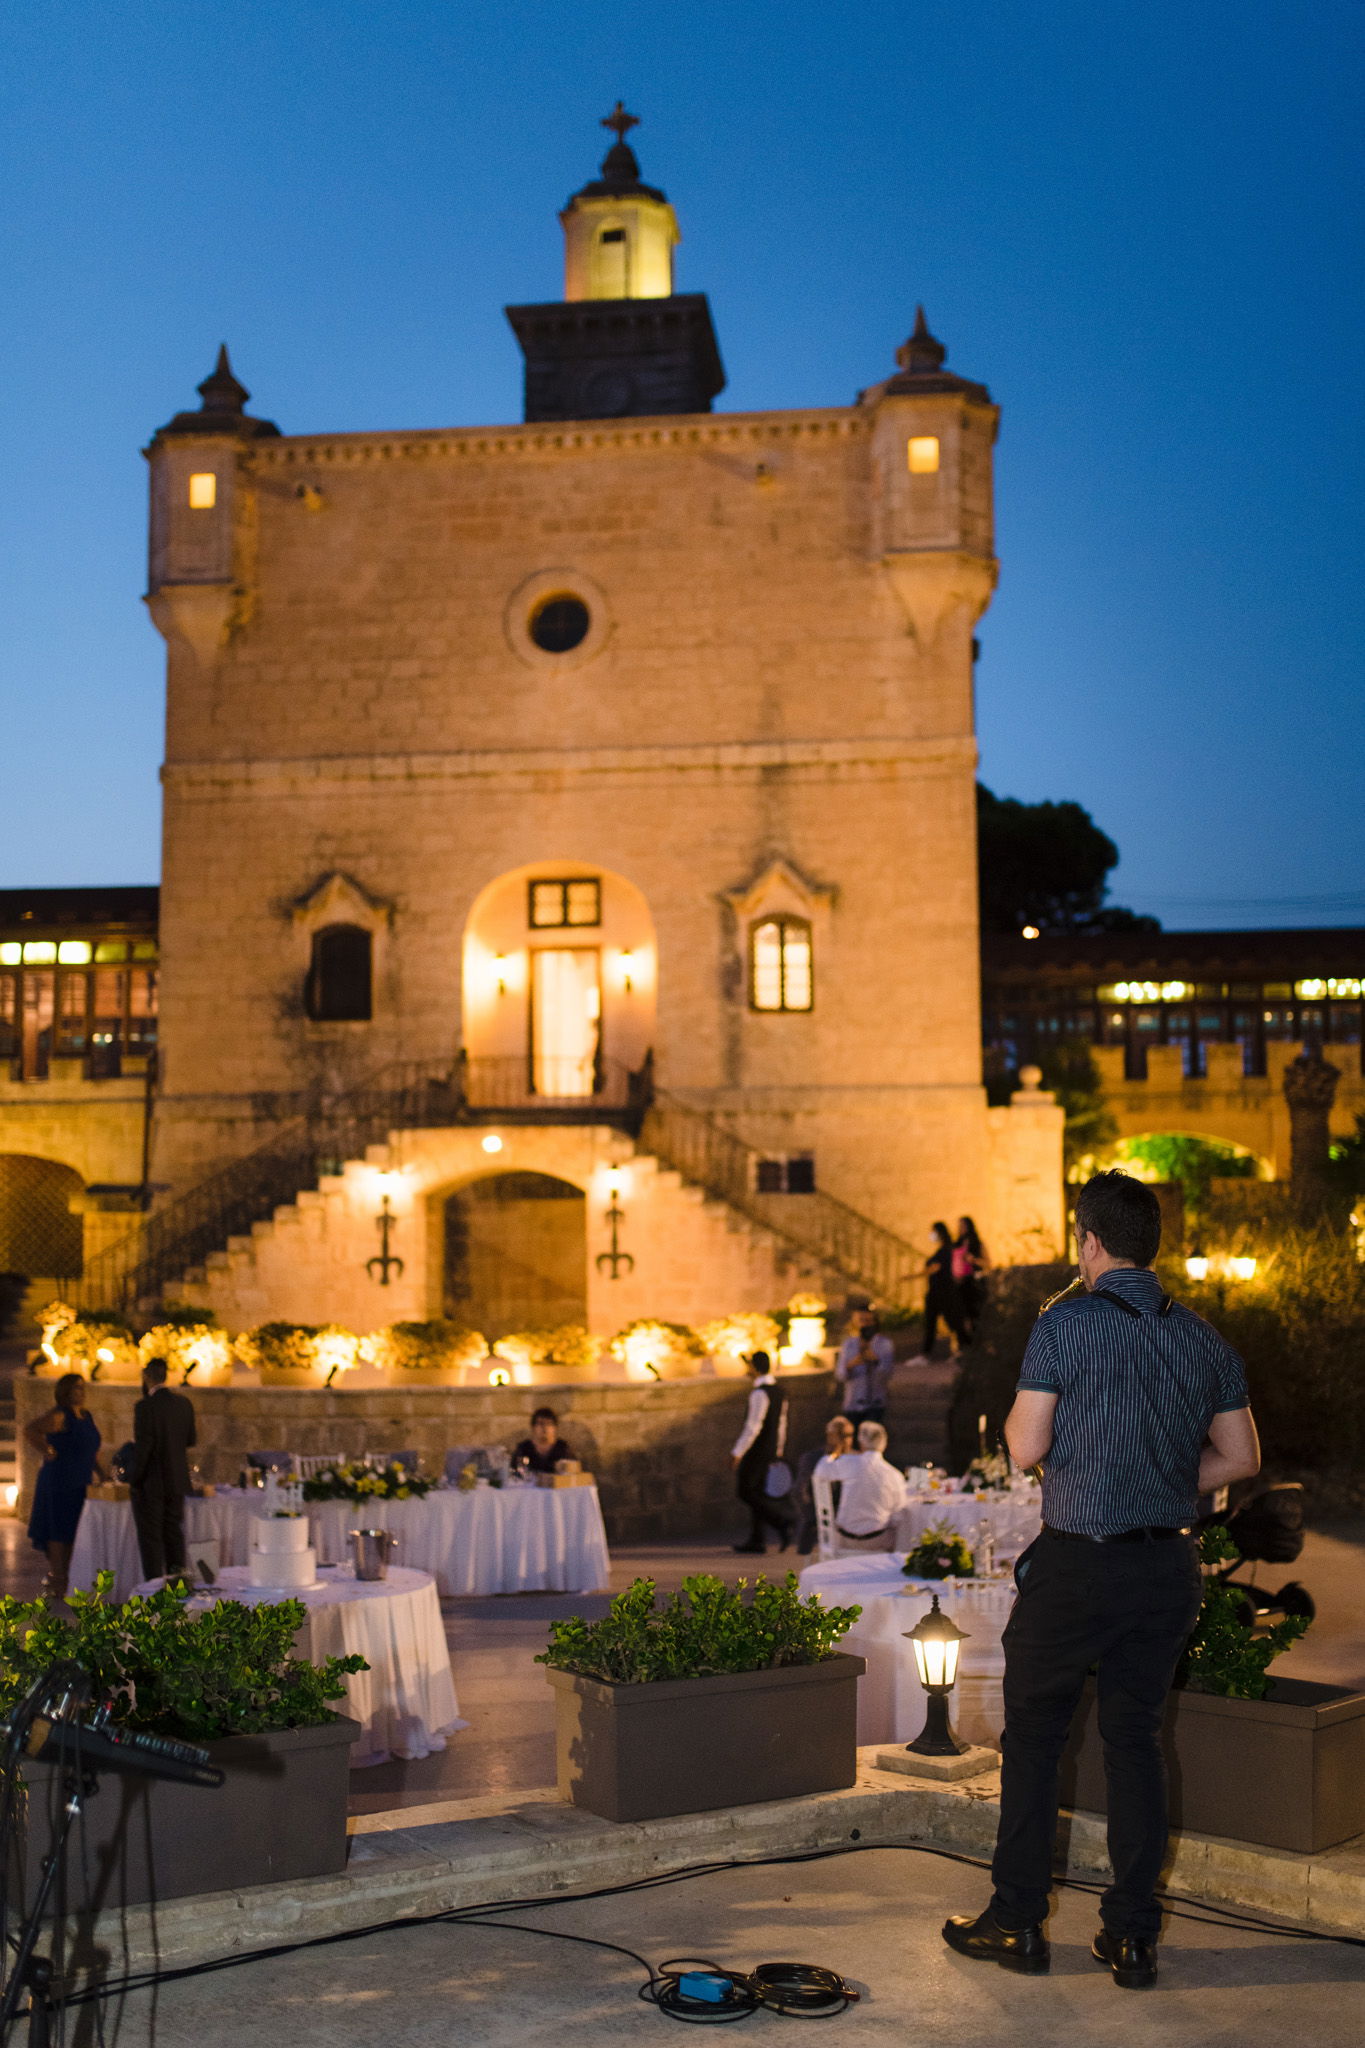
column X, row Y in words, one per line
column 1276, row 1761
column 651, row 1350
column 549, row 1357
column 705, row 1701
column 298, row 1354
column 431, row 1354
column 226, row 1678
column 730, row 1339
column 192, row 1344
column 97, row 1343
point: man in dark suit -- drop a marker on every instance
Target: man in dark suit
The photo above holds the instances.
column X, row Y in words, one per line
column 163, row 1433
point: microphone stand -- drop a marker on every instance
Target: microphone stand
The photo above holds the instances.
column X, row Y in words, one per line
column 31, row 1972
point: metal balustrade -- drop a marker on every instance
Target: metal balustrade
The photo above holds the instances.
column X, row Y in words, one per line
column 318, row 1134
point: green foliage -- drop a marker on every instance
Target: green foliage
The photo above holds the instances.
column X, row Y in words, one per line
column 436, row 1342
column 705, row 1629
column 941, row 1553
column 1045, row 864
column 1300, row 1326
column 1194, row 1162
column 1346, row 1162
column 176, row 1315
column 567, row 1347
column 230, row 1670
column 1224, row 1655
column 356, row 1481
column 1071, row 1072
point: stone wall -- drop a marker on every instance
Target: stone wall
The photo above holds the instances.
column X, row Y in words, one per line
column 661, row 1452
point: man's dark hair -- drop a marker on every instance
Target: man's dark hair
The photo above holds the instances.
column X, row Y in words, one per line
column 1124, row 1214
column 545, row 1415
column 758, row 1361
column 155, row 1371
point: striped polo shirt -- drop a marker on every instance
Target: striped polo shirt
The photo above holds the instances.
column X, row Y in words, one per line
column 1135, row 1396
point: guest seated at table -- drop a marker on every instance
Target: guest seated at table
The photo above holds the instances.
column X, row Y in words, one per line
column 873, row 1493
column 819, row 1464
column 544, row 1450
column 69, row 1441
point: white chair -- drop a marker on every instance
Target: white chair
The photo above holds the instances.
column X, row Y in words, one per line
column 308, row 1467
column 826, row 1541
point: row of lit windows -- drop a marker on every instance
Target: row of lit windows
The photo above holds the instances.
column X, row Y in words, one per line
column 1344, row 989
column 73, row 952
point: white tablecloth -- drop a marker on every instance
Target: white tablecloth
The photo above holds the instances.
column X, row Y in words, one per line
column 405, row 1703
column 1014, row 1519
column 891, row 1700
column 512, row 1539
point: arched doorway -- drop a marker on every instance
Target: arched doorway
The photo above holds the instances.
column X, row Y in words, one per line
column 516, row 1253
column 39, row 1236
column 560, row 976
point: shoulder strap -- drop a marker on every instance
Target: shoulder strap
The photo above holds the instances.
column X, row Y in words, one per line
column 1163, row 1307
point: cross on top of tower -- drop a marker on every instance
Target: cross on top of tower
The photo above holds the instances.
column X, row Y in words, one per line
column 621, row 121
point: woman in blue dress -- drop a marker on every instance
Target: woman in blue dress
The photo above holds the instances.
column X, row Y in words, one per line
column 69, row 1441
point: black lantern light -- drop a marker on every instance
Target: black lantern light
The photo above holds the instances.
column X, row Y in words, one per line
column 935, row 1639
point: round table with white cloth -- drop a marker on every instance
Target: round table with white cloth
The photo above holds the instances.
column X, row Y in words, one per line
column 1013, row 1518
column 511, row 1539
column 891, row 1700
column 405, row 1703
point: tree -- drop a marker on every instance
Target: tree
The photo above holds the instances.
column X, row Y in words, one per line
column 1070, row 1071
column 1047, row 865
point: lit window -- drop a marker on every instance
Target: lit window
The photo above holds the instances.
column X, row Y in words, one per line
column 74, row 952
column 780, row 965
column 337, row 990
column 11, row 953
column 922, row 454
column 39, row 953
column 1348, row 990
column 111, row 949
column 203, row 491
column 552, row 905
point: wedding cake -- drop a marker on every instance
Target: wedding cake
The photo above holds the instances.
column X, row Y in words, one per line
column 281, row 1555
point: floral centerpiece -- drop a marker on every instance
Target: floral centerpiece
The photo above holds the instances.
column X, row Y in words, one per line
column 651, row 1350
column 730, row 1339
column 988, row 1474
column 437, row 1351
column 192, row 1344
column 358, row 1482
column 549, row 1354
column 941, row 1553
column 298, row 1354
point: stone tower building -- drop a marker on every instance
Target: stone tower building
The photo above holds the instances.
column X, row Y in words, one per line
column 630, row 747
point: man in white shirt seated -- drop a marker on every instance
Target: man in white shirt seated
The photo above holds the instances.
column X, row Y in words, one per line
column 872, row 1495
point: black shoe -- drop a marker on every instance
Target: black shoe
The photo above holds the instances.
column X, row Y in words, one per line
column 985, row 1941
column 750, row 1549
column 1132, row 1960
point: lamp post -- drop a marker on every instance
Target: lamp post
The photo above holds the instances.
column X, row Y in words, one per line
column 935, row 1640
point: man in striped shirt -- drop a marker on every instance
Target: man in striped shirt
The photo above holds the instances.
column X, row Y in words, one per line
column 1133, row 1406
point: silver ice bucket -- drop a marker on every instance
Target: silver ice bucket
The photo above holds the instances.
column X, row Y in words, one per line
column 370, row 1552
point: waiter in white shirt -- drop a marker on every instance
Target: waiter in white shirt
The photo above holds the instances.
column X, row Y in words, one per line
column 872, row 1495
column 763, row 1438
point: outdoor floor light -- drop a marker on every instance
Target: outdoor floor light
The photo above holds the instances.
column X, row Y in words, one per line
column 934, row 1640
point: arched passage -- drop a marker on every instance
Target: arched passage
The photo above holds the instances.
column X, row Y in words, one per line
column 39, row 1236
column 560, row 979
column 516, row 1253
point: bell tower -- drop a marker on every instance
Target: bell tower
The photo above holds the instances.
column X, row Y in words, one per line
column 622, row 343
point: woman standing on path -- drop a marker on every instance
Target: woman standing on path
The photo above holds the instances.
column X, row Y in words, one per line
column 941, row 1300
column 69, row 1441
column 969, row 1263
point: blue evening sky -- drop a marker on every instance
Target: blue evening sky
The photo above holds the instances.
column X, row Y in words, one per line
column 1140, row 226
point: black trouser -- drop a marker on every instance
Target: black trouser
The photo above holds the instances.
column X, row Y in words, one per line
column 1127, row 1608
column 942, row 1304
column 159, row 1517
column 751, row 1481
column 858, row 1416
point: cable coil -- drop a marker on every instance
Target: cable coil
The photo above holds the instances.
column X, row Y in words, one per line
column 705, row 1994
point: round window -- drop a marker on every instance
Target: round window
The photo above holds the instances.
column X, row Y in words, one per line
column 559, row 623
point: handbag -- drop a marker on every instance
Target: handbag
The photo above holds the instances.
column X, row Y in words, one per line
column 964, row 1265
column 778, row 1483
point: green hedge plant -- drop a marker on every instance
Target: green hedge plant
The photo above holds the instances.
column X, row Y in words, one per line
column 229, row 1670
column 706, row 1629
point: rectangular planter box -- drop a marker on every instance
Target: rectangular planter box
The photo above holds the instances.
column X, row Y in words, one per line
column 1287, row 1772
column 281, row 1815
column 688, row 1745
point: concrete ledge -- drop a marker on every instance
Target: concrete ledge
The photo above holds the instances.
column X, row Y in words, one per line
column 472, row 1852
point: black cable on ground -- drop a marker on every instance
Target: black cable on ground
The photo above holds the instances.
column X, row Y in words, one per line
column 1205, row 1914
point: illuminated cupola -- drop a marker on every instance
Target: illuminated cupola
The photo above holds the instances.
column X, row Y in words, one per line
column 622, row 343
column 619, row 235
